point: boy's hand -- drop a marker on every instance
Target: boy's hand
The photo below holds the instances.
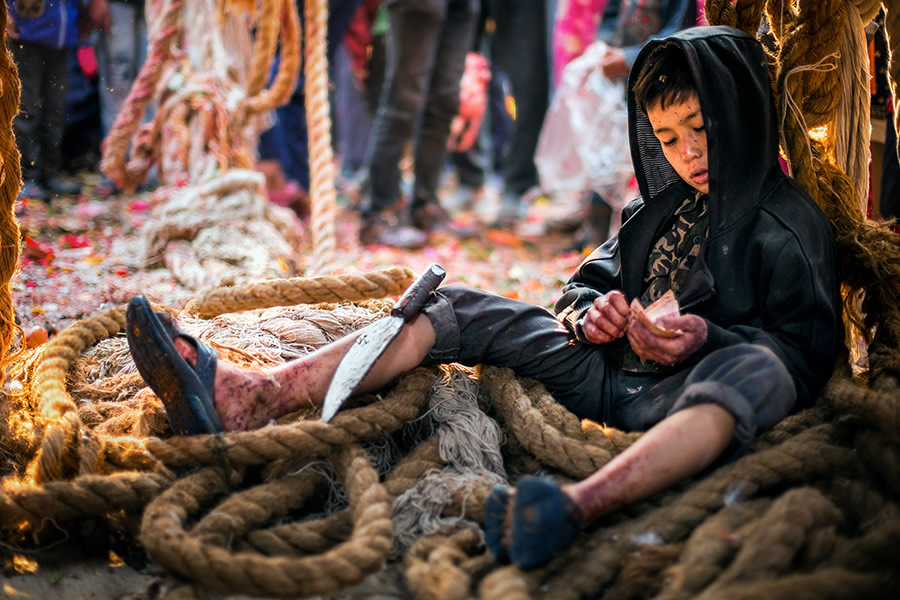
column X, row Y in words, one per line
column 668, row 350
column 607, row 319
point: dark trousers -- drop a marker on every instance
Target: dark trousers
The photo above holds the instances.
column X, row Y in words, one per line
column 427, row 45
column 43, row 72
column 520, row 45
column 287, row 140
column 889, row 205
column 476, row 327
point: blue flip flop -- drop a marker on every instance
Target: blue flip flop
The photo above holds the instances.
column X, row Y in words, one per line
column 545, row 522
column 186, row 391
column 495, row 511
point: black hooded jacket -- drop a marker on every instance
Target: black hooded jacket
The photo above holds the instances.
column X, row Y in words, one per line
column 767, row 271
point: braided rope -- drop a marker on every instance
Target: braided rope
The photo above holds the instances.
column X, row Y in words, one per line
column 10, row 182
column 288, row 69
column 302, row 290
column 265, row 41
column 323, row 195
column 164, row 535
column 127, row 175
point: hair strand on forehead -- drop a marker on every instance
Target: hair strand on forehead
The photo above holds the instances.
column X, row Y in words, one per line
column 665, row 78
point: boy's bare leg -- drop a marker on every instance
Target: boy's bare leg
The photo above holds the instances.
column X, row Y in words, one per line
column 541, row 520
column 672, row 450
column 247, row 399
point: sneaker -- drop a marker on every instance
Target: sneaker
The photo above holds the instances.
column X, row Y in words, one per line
column 58, row 185
column 33, row 190
column 431, row 216
column 385, row 228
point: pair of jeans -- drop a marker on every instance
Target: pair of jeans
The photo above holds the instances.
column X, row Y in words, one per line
column 475, row 327
column 427, row 45
column 121, row 51
column 286, row 141
column 43, row 72
column 520, row 45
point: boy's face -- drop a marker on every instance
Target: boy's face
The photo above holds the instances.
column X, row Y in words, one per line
column 679, row 128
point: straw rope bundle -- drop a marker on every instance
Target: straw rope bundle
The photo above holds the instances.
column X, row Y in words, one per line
column 812, row 511
column 211, row 224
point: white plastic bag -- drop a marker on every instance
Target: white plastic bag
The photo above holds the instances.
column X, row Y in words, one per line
column 584, row 140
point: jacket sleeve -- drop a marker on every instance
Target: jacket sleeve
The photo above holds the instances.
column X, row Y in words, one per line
column 597, row 275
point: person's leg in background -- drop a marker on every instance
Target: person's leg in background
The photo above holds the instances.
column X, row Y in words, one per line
column 53, row 115
column 441, row 106
column 889, row 204
column 520, row 44
column 411, row 45
column 121, row 51
column 28, row 120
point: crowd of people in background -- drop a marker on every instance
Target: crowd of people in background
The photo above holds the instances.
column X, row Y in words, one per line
column 396, row 68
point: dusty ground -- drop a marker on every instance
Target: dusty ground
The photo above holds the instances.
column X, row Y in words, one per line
column 72, row 266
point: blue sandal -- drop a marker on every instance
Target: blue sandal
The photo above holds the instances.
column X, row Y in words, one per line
column 186, row 391
column 545, row 522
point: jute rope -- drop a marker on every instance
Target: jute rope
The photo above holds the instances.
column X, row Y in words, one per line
column 10, row 182
column 321, row 160
column 812, row 511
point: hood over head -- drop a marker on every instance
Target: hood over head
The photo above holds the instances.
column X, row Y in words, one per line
column 732, row 79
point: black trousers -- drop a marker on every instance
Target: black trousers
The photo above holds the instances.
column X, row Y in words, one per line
column 426, row 54
column 43, row 72
column 476, row 327
column 889, row 205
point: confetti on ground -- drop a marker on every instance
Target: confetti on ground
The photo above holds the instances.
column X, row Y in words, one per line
column 69, row 269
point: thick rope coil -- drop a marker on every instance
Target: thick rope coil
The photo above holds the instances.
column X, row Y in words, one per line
column 265, row 41
column 10, row 182
column 708, row 548
column 435, row 565
column 323, row 195
column 88, row 495
column 166, row 539
column 773, row 544
column 127, row 174
column 867, row 9
column 285, row 80
column 302, row 290
column 506, row 583
column 570, row 449
column 745, row 16
column 63, row 437
column 892, row 37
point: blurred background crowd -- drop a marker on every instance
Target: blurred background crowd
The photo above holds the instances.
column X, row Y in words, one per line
column 509, row 111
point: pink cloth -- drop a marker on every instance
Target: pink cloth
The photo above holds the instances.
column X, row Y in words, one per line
column 574, row 30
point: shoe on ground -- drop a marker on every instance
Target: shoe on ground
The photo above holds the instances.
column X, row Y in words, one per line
column 106, row 188
column 57, row 185
column 509, row 213
column 385, row 228
column 33, row 190
column 432, row 217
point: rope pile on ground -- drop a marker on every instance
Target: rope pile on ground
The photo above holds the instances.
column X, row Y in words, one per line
column 211, row 222
column 303, row 508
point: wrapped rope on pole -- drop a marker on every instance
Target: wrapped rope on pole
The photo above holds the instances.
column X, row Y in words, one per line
column 10, row 182
column 321, row 160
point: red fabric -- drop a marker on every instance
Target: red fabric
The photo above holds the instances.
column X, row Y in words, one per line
column 87, row 60
column 359, row 36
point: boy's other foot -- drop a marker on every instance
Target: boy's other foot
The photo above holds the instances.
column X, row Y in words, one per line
column 386, row 229
column 533, row 524
column 57, row 185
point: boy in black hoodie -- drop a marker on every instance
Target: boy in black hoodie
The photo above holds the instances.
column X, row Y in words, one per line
column 745, row 251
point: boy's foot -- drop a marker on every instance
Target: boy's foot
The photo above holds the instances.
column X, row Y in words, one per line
column 200, row 393
column 533, row 525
